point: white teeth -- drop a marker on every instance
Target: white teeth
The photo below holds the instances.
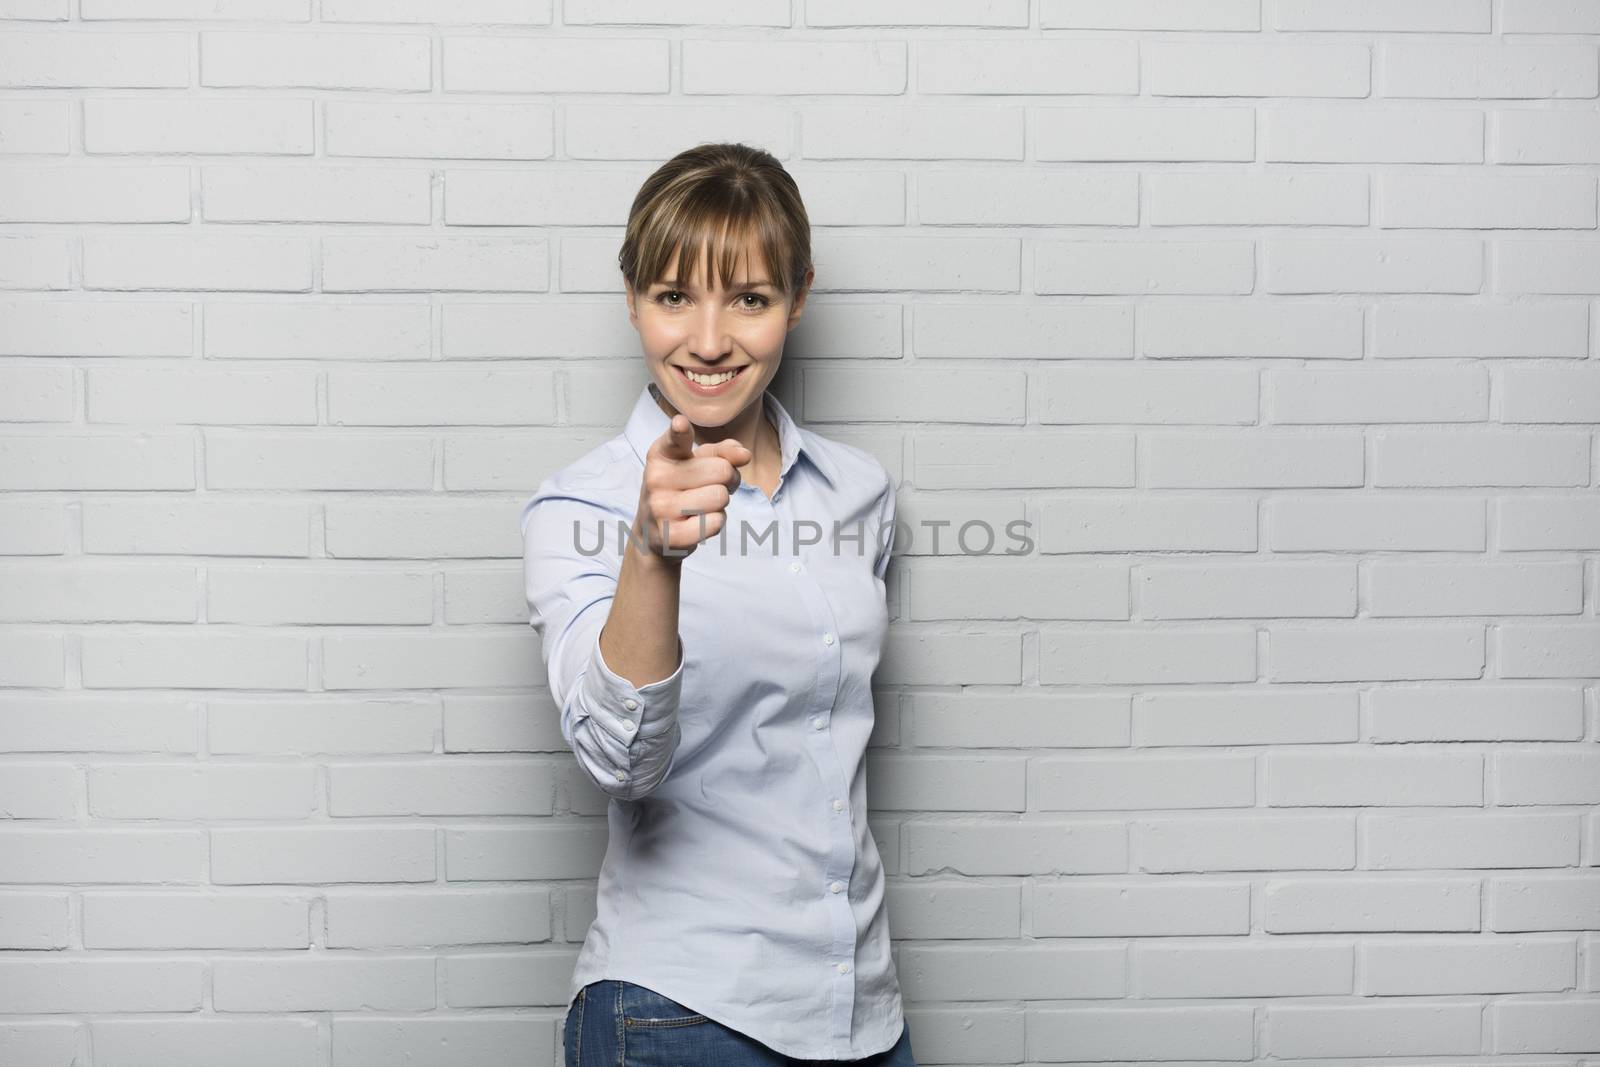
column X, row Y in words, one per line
column 709, row 379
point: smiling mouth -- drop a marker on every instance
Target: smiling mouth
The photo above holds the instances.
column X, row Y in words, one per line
column 715, row 378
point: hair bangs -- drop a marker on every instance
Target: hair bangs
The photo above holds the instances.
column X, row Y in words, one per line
column 715, row 206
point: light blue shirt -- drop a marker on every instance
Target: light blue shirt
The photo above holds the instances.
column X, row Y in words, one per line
column 740, row 878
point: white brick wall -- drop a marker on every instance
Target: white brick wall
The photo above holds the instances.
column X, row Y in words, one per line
column 1276, row 320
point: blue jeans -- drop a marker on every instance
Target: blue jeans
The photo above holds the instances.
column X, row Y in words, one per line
column 618, row 1024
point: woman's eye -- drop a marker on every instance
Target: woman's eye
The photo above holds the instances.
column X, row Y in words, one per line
column 760, row 301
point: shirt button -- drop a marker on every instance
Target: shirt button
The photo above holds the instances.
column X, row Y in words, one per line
column 621, row 775
column 836, row 886
column 844, row 968
column 794, row 568
column 817, row 722
column 630, row 703
column 838, row 805
column 627, row 724
column 827, row 639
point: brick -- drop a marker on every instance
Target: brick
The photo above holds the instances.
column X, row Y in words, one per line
column 252, row 10
column 419, row 130
column 1245, row 718
column 1243, row 970
column 1471, row 841
column 94, row 194
column 925, row 131
column 1149, row 15
column 1035, row 68
column 331, row 194
column 508, row 12
column 1567, row 1025
column 263, row 59
column 129, row 126
column 166, row 921
column 1394, row 134
column 511, row 64
column 209, row 262
column 1144, row 134
column 1367, row 779
column 1366, row 16
column 1436, row 966
column 798, row 67
column 423, row 917
column 1226, row 69
column 101, row 985
column 1359, row 905
column 1543, row 902
column 1076, row 783
column 1129, row 1032
column 1524, row 71
column 1475, row 712
column 1016, row 847
column 454, row 787
column 47, row 60
column 1373, row 1030
column 1570, row 776
column 958, row 972
column 1199, row 843
column 1153, row 908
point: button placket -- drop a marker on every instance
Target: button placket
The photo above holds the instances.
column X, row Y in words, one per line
column 840, row 860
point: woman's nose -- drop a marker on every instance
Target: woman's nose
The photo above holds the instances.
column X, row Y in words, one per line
column 711, row 339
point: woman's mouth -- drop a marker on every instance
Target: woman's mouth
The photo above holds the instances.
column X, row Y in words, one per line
column 708, row 384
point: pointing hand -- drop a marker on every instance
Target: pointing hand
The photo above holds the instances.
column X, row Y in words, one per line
column 684, row 496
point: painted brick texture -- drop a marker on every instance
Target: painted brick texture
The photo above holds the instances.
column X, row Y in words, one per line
column 1274, row 324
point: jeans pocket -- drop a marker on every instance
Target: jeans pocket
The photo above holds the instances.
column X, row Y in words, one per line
column 642, row 1007
column 572, row 1030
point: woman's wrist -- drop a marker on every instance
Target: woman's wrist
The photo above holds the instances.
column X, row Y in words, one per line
column 645, row 555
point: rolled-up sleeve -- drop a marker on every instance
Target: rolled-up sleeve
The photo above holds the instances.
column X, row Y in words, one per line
column 624, row 736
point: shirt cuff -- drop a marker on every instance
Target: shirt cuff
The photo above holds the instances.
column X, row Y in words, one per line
column 630, row 712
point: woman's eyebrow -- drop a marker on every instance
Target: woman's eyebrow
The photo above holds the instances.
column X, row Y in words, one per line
column 758, row 283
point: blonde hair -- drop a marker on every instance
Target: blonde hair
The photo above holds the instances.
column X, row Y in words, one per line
column 714, row 198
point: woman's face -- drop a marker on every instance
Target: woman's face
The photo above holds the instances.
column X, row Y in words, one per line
column 684, row 326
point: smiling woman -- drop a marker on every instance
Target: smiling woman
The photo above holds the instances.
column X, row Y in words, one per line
column 722, row 699
column 717, row 273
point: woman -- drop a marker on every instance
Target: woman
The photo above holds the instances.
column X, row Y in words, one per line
column 709, row 588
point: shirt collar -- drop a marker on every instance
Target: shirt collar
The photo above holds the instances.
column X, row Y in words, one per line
column 649, row 422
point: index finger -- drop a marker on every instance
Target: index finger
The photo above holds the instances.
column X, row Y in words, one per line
column 678, row 441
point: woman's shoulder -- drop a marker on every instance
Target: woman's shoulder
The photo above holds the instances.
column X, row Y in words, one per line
column 608, row 466
column 605, row 479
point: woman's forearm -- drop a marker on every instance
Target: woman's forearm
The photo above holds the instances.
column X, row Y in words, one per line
column 640, row 638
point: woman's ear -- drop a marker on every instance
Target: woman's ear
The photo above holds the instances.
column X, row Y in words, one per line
column 800, row 298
